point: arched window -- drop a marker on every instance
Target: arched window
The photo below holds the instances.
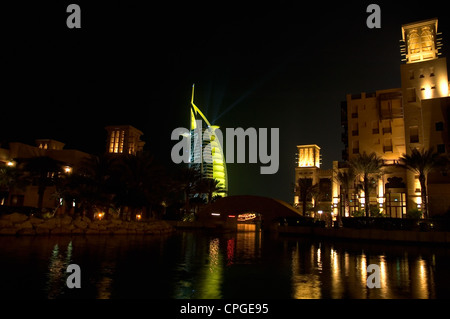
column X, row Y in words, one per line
column 426, row 38
column 413, row 42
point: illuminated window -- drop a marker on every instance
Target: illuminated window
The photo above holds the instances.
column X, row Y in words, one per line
column 426, row 39
column 413, row 42
column 116, row 141
column 111, row 142
column 122, row 138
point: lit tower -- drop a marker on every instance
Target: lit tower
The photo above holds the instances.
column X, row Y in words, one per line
column 307, row 165
column 209, row 161
column 426, row 100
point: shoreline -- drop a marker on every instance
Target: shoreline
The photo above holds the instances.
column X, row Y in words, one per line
column 16, row 224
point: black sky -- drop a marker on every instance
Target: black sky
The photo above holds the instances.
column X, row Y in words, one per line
column 284, row 64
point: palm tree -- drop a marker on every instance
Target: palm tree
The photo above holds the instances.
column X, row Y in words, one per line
column 137, row 176
column 11, row 177
column 421, row 162
column 187, row 178
column 367, row 166
column 209, row 186
column 91, row 185
column 306, row 189
column 346, row 180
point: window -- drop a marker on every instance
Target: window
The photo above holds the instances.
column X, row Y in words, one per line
column 414, row 134
column 355, row 147
column 387, row 127
column 111, row 142
column 354, row 111
column 116, row 141
column 375, row 127
column 355, row 130
column 413, row 42
column 431, row 71
column 411, row 95
column 387, row 146
column 439, row 126
column 441, row 148
column 427, row 39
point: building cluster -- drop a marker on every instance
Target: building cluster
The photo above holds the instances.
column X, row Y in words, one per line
column 391, row 123
column 122, row 139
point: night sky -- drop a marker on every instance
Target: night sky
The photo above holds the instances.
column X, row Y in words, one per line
column 277, row 64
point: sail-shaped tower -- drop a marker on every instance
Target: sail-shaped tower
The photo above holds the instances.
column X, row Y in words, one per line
column 209, row 159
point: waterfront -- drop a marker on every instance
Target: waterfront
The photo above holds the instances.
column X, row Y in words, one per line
column 199, row 265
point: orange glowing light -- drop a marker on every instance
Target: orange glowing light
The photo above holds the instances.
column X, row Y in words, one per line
column 246, row 217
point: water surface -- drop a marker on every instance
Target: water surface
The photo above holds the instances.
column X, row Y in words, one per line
column 245, row 264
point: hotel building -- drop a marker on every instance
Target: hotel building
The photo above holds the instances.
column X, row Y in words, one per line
column 124, row 139
column 121, row 139
column 391, row 123
column 207, row 156
column 19, row 152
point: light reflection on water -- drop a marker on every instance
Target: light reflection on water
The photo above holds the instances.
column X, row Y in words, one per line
column 213, row 265
column 56, row 275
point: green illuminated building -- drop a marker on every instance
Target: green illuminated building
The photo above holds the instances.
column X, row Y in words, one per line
column 208, row 159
